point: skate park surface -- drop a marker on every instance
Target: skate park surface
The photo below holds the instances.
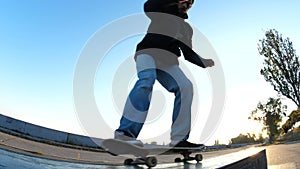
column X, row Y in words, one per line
column 20, row 149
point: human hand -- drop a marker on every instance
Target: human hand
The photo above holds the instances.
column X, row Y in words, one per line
column 207, row 63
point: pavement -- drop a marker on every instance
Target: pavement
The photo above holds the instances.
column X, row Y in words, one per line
column 284, row 156
column 77, row 154
column 279, row 156
column 56, row 152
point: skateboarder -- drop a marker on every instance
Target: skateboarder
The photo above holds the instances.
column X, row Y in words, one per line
column 156, row 58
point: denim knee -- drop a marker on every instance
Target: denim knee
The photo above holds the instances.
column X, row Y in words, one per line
column 146, row 79
column 187, row 86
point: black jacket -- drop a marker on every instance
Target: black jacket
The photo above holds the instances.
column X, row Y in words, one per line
column 168, row 34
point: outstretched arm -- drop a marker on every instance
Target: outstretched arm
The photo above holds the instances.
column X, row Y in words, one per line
column 194, row 58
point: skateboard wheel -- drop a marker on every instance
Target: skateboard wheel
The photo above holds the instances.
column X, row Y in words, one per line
column 151, row 161
column 198, row 157
column 177, row 160
column 128, row 161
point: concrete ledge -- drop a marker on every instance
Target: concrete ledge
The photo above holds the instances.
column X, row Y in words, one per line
column 39, row 133
column 84, row 141
column 12, row 124
column 45, row 133
column 258, row 160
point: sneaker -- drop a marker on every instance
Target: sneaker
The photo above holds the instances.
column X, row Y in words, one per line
column 130, row 140
column 135, row 142
column 186, row 143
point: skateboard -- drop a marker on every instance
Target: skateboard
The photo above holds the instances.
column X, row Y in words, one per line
column 147, row 155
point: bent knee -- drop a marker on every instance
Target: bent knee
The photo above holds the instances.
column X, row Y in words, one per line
column 146, row 82
column 187, row 86
column 146, row 79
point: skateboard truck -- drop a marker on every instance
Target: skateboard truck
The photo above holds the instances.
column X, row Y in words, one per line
column 187, row 157
column 150, row 161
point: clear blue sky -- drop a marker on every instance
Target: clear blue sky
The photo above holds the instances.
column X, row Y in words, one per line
column 40, row 42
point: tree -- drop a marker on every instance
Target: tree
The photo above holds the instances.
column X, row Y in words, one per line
column 294, row 117
column 243, row 139
column 217, row 142
column 270, row 114
column 281, row 65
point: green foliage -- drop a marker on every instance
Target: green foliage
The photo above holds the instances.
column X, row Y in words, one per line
column 248, row 138
column 270, row 114
column 291, row 135
column 294, row 117
column 281, row 65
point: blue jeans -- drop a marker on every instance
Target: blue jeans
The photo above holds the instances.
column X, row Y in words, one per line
column 137, row 105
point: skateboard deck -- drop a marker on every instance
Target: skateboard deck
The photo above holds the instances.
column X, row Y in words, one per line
column 119, row 147
column 146, row 155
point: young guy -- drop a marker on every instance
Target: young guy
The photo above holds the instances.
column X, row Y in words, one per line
column 157, row 59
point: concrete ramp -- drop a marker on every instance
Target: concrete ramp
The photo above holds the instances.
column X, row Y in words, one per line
column 258, row 160
column 10, row 159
